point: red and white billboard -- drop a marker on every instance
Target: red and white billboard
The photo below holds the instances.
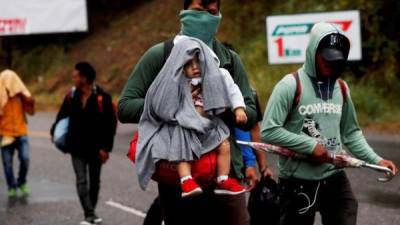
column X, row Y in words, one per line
column 22, row 17
column 288, row 35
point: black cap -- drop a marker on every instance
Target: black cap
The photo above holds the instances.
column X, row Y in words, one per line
column 332, row 54
column 334, row 47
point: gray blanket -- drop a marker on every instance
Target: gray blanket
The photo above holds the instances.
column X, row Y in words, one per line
column 170, row 127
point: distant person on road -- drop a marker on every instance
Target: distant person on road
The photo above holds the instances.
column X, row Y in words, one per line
column 199, row 19
column 15, row 102
column 180, row 121
column 91, row 130
column 313, row 113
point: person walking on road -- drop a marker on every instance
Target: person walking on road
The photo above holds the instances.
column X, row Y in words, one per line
column 90, row 137
column 194, row 115
column 199, row 19
column 15, row 102
column 311, row 112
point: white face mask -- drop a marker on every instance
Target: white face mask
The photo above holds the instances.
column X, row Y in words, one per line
column 195, row 81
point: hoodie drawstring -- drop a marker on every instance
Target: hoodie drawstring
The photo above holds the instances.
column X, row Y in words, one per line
column 319, row 89
column 320, row 92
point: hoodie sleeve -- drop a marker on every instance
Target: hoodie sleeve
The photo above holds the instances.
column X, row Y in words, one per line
column 241, row 79
column 131, row 102
column 278, row 108
column 352, row 136
column 235, row 96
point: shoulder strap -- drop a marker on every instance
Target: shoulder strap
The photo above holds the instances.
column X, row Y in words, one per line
column 168, row 45
column 343, row 89
column 98, row 92
column 229, row 48
column 71, row 93
column 100, row 102
column 230, row 66
column 297, row 95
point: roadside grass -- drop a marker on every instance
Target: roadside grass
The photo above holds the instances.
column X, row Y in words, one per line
column 116, row 48
column 40, row 62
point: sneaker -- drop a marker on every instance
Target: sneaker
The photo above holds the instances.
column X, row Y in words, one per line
column 88, row 221
column 229, row 187
column 24, row 189
column 190, row 188
column 97, row 220
column 12, row 193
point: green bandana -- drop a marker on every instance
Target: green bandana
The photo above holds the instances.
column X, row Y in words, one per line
column 199, row 24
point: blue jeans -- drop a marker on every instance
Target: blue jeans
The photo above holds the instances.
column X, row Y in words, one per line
column 21, row 145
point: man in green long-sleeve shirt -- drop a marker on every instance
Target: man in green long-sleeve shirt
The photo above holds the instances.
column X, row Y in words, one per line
column 320, row 122
column 200, row 19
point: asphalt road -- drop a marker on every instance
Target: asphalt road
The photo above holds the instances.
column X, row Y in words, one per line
column 53, row 199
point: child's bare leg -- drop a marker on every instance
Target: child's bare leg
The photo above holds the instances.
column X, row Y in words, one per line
column 223, row 159
column 184, row 170
column 225, row 184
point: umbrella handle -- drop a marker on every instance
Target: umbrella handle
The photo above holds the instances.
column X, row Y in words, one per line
column 282, row 151
column 388, row 173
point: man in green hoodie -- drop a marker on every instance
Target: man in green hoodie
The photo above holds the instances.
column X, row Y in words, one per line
column 319, row 122
column 200, row 19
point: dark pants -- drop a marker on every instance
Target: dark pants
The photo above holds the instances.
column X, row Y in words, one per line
column 153, row 215
column 205, row 209
column 7, row 152
column 333, row 198
column 88, row 190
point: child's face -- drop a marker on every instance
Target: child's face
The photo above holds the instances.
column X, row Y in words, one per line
column 192, row 68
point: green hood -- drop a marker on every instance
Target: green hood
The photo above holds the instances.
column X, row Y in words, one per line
column 318, row 32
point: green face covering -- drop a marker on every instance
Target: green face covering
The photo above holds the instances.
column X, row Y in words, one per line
column 199, row 24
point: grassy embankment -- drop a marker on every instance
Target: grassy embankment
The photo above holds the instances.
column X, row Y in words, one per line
column 116, row 48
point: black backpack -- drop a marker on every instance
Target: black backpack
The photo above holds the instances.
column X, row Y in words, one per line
column 263, row 203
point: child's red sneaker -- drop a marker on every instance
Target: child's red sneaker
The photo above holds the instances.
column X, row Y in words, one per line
column 229, row 187
column 190, row 188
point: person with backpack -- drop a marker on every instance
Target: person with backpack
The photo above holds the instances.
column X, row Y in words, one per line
column 311, row 112
column 90, row 136
column 15, row 101
column 199, row 19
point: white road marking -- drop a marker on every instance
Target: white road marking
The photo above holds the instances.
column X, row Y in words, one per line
column 126, row 208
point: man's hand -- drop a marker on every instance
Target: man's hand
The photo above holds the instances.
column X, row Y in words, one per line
column 251, row 177
column 262, row 161
column 320, row 154
column 267, row 172
column 389, row 164
column 103, row 155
